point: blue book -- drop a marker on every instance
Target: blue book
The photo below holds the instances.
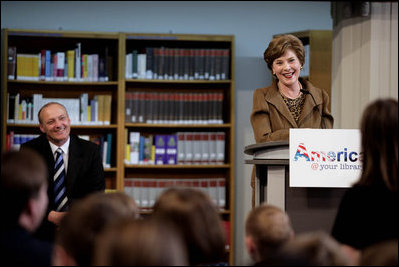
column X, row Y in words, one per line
column 160, row 149
column 141, row 149
column 171, row 149
column 109, row 140
column 47, row 66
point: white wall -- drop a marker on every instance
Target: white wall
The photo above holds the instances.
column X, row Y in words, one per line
column 252, row 22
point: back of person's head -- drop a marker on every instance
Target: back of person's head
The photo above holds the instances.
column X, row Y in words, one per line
column 379, row 130
column 87, row 218
column 23, row 177
column 315, row 249
column 383, row 253
column 140, row 243
column 267, row 228
column 196, row 216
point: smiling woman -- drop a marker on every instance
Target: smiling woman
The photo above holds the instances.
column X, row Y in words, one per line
column 290, row 101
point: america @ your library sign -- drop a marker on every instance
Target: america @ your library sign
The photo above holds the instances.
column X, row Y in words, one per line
column 324, row 157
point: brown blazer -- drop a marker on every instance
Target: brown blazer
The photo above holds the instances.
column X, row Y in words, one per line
column 271, row 118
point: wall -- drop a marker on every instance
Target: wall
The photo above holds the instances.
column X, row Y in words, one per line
column 253, row 23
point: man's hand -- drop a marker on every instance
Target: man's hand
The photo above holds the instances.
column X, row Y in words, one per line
column 56, row 217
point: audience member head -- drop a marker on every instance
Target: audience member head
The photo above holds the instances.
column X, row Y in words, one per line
column 55, row 123
column 279, row 46
column 140, row 243
column 23, row 189
column 85, row 220
column 267, row 228
column 196, row 216
column 379, row 130
column 314, row 249
column 383, row 253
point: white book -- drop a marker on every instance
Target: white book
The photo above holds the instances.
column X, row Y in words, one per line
column 152, row 192
column 181, row 147
column 212, row 147
column 60, row 66
column 37, row 105
column 144, row 194
column 16, row 108
column 220, row 145
column 78, row 66
column 188, row 147
column 136, row 191
column 204, row 144
column 141, row 65
column 134, row 141
column 95, row 67
column 213, row 191
column 84, row 102
column 221, row 186
column 197, row 152
column 128, row 66
column 72, row 106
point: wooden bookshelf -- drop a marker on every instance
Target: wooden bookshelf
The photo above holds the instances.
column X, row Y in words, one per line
column 33, row 42
column 319, row 58
column 118, row 44
column 141, row 42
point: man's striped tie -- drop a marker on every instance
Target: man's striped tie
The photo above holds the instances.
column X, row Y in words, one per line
column 60, row 197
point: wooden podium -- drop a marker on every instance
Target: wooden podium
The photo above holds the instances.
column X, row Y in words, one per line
column 309, row 208
column 272, row 166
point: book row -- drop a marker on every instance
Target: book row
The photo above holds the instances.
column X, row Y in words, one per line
column 105, row 142
column 189, row 148
column 146, row 191
column 174, row 108
column 70, row 65
column 164, row 63
column 81, row 111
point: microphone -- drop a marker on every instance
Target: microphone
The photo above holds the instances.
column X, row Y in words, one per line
column 306, row 92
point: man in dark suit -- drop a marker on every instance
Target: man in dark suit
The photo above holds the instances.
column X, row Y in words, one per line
column 23, row 203
column 81, row 168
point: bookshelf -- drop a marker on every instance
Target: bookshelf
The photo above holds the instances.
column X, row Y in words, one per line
column 35, row 84
column 199, row 92
column 318, row 47
column 168, row 75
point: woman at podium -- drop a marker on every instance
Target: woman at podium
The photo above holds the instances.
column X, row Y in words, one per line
column 290, row 101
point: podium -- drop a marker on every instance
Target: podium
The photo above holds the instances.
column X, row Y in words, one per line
column 272, row 171
column 309, row 208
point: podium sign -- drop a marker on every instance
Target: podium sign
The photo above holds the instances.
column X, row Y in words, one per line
column 324, row 157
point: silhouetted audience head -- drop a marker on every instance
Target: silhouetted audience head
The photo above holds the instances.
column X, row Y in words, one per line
column 195, row 215
column 23, row 204
column 140, row 243
column 267, row 228
column 85, row 220
column 314, row 249
column 23, row 189
column 383, row 253
column 379, row 130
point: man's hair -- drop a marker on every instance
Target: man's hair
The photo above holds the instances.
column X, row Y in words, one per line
column 269, row 227
column 23, row 173
column 196, row 216
column 87, row 218
column 315, row 249
column 49, row 104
